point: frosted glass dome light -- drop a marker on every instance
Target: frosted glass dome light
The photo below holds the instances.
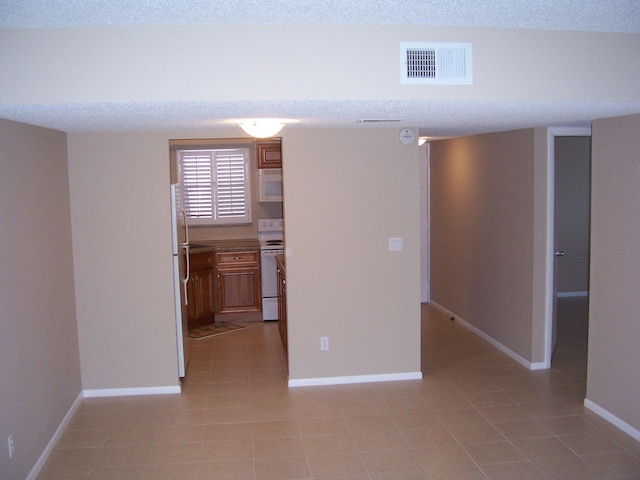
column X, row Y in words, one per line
column 263, row 128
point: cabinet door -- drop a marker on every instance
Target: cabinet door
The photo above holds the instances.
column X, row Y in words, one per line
column 269, row 155
column 207, row 307
column 193, row 307
column 239, row 290
column 200, row 309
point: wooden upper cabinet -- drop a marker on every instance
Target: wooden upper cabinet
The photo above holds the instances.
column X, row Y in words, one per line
column 269, row 154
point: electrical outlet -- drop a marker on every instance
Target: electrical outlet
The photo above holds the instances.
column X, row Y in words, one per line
column 324, row 343
column 11, row 445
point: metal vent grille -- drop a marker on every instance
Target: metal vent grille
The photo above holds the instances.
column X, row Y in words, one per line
column 436, row 63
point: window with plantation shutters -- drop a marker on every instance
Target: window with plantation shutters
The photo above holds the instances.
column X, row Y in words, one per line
column 216, row 186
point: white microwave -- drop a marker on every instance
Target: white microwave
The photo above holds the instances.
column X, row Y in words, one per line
column 270, row 184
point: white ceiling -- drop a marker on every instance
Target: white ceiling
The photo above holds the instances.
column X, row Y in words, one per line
column 433, row 118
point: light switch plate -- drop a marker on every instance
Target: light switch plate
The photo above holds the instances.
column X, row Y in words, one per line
column 395, row 244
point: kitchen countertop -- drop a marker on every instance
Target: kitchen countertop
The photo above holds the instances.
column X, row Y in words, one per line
column 205, row 246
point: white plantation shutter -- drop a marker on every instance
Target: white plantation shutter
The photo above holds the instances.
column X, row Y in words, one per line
column 231, row 186
column 197, row 184
column 216, row 186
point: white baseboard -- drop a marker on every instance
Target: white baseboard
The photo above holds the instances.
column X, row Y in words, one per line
column 123, row 392
column 573, row 294
column 386, row 377
column 611, row 418
column 504, row 349
column 35, row 471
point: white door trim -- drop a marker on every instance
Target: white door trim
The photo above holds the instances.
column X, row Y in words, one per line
column 552, row 133
column 425, row 223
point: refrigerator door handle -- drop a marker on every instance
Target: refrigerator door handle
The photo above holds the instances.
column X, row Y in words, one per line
column 187, row 274
column 186, row 226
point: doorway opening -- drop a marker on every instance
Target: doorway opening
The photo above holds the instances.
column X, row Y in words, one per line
column 568, row 217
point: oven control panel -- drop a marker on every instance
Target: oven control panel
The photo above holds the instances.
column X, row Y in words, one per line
column 269, row 225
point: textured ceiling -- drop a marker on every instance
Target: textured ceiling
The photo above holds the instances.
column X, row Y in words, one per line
column 587, row 15
column 432, row 117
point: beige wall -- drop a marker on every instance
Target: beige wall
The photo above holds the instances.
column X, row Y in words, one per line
column 311, row 62
column 344, row 189
column 613, row 382
column 483, row 212
column 347, row 192
column 39, row 362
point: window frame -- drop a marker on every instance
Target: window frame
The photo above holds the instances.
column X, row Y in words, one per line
column 218, row 160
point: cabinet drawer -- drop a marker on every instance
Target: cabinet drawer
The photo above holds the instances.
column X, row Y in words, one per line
column 200, row 261
column 239, row 258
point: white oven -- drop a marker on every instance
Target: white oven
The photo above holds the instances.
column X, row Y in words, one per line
column 271, row 241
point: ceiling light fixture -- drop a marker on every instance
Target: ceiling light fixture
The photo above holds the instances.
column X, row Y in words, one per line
column 262, row 128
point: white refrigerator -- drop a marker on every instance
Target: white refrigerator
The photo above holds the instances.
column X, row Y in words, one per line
column 180, row 246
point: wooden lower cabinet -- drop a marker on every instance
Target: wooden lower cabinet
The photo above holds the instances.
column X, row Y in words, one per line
column 238, row 281
column 282, row 302
column 200, row 298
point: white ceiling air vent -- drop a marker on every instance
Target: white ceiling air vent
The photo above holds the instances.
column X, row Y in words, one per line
column 436, row 63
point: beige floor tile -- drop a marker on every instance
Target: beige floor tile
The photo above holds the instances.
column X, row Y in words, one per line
column 590, row 443
column 278, row 448
column 542, row 448
column 227, row 470
column 178, row 453
column 390, row 476
column 83, row 438
column 488, row 399
column 429, row 437
column 227, row 450
column 179, row 434
column 317, row 445
column 323, row 426
column 123, row 456
column 614, row 464
column 387, row 461
column 282, row 468
column 404, row 421
column 117, row 473
column 275, row 429
column 523, row 429
column 512, row 471
column 446, row 456
column 476, row 433
column 504, row 413
column 368, row 441
column 64, row 473
column 226, row 431
column 457, row 472
column 172, row 472
column 495, row 452
column 566, row 468
column 337, row 465
column 466, row 416
column 130, row 436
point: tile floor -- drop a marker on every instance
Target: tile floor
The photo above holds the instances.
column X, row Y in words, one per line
column 475, row 415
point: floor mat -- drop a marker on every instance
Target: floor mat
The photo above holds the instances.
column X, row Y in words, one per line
column 213, row 329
